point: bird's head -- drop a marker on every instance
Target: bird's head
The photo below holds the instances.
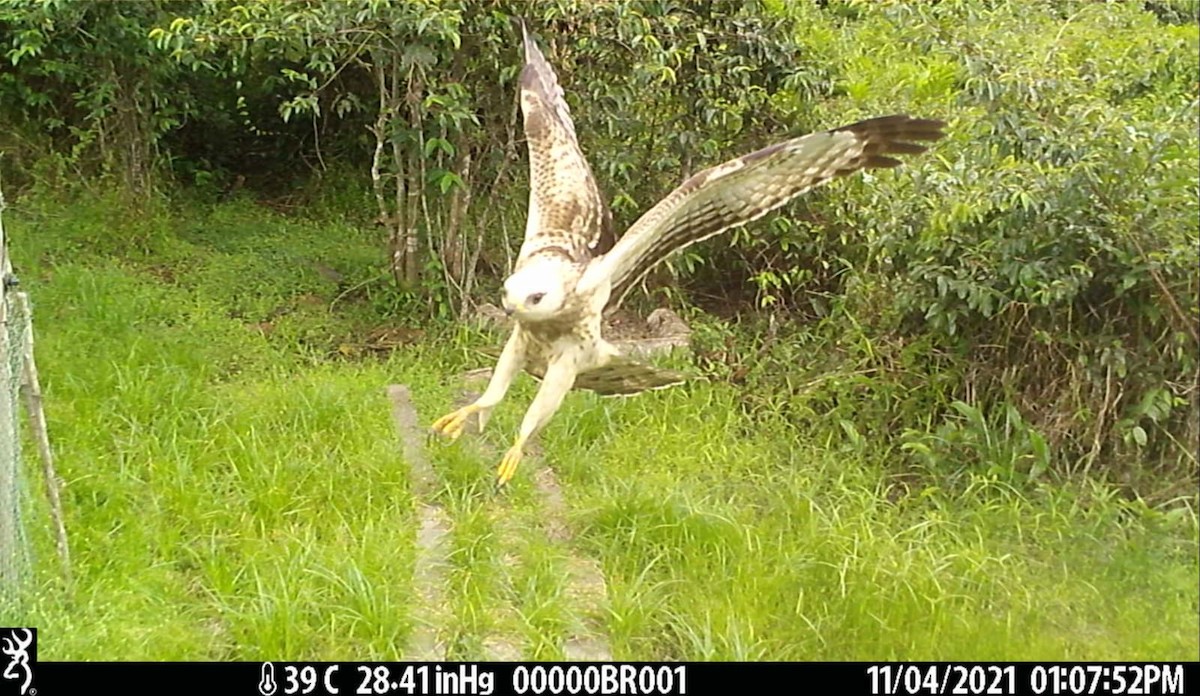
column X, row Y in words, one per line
column 535, row 292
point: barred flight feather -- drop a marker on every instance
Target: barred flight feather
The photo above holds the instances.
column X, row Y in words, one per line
column 746, row 188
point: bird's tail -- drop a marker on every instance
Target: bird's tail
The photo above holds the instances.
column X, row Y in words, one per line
column 622, row 376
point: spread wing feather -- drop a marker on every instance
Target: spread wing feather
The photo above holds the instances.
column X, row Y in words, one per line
column 566, row 209
column 748, row 187
column 622, row 376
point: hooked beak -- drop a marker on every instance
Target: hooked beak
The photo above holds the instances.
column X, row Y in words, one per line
column 509, row 308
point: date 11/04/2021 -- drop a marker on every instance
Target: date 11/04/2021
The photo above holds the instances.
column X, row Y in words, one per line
column 1040, row 680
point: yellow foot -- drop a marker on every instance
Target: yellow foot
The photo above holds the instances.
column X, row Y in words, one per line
column 508, row 465
column 451, row 424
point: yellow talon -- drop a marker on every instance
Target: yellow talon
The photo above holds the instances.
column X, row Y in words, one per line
column 508, row 465
column 451, row 424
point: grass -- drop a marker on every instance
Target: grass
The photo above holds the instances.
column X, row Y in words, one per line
column 235, row 490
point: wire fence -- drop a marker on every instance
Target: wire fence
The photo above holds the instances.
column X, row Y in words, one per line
column 15, row 552
column 18, row 377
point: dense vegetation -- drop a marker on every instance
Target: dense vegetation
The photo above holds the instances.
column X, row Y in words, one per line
column 1000, row 338
column 1035, row 276
column 234, row 490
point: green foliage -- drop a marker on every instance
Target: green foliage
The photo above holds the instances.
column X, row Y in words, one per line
column 1040, row 263
column 1041, row 258
column 234, row 493
column 85, row 82
column 926, row 381
column 1017, row 449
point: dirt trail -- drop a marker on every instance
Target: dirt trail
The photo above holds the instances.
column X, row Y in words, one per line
column 586, row 588
column 585, row 578
column 431, row 565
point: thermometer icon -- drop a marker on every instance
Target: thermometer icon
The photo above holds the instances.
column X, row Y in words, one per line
column 266, row 686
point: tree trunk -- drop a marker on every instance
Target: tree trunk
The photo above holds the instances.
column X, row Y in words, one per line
column 453, row 250
column 416, row 186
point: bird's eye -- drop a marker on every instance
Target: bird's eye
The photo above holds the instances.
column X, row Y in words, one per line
column 536, row 297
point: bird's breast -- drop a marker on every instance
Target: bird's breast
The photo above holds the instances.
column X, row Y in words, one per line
column 547, row 341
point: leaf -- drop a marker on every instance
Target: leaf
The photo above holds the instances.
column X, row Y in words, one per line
column 435, row 144
column 851, row 433
column 1041, row 454
column 448, row 180
column 968, row 411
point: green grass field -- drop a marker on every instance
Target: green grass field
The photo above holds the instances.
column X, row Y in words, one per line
column 236, row 490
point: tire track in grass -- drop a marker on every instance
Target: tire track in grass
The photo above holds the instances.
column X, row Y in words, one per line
column 432, row 562
column 585, row 588
column 498, row 644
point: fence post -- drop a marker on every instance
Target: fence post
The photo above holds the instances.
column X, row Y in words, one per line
column 10, row 497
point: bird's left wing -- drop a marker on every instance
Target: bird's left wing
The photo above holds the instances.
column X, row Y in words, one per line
column 748, row 187
column 565, row 205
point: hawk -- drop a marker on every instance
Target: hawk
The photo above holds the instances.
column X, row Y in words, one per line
column 571, row 267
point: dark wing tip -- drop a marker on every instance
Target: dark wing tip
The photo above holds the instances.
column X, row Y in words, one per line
column 536, row 74
column 881, row 162
column 520, row 25
column 892, row 135
column 533, row 54
column 897, row 126
column 526, row 37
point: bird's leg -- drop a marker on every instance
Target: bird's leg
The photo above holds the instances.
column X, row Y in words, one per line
column 507, row 367
column 560, row 377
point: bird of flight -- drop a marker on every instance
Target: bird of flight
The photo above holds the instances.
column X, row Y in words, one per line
column 570, row 267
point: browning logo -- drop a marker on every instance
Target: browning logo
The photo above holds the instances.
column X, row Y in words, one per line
column 19, row 649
